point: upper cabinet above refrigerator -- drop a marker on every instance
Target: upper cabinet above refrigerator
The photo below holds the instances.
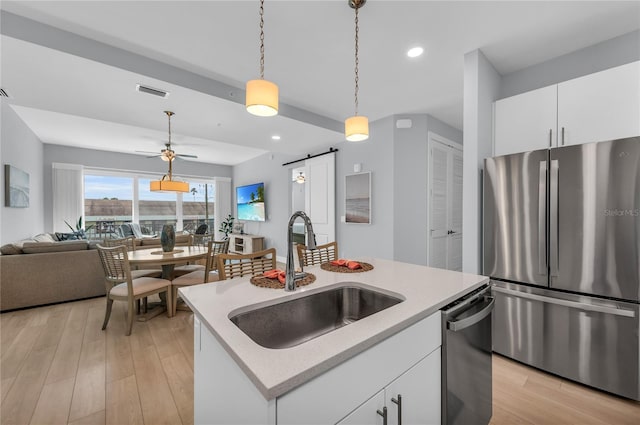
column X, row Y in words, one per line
column 600, row 106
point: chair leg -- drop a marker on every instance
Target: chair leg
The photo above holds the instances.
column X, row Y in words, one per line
column 138, row 306
column 130, row 315
column 107, row 313
column 144, row 305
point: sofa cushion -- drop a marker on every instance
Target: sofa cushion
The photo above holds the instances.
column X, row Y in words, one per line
column 44, row 237
column 14, row 248
column 40, row 247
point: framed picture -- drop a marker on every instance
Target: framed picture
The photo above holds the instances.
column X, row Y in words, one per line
column 357, row 191
column 16, row 187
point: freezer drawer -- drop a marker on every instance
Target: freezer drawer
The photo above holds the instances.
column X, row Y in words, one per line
column 585, row 339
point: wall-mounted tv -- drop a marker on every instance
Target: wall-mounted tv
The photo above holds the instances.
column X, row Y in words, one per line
column 250, row 202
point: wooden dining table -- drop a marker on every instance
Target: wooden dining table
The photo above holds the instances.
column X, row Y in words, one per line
column 168, row 260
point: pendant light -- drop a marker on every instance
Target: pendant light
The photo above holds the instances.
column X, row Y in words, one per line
column 262, row 95
column 166, row 183
column 356, row 128
column 301, row 178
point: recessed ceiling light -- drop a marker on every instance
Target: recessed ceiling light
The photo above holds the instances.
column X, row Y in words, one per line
column 414, row 52
column 275, row 137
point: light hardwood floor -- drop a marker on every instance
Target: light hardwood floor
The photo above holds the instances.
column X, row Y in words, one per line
column 57, row 367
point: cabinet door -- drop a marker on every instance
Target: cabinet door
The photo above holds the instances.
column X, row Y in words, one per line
column 415, row 395
column 367, row 413
column 526, row 122
column 600, row 106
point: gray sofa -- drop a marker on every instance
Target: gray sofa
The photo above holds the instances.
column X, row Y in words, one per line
column 38, row 273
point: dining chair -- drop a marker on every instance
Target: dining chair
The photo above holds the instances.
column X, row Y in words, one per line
column 120, row 286
column 183, row 269
column 234, row 265
column 130, row 243
column 322, row 254
column 198, row 277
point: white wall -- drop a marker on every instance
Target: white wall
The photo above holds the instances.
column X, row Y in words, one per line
column 21, row 148
column 119, row 161
column 481, row 89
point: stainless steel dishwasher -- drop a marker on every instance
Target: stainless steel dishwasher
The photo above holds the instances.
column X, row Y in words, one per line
column 466, row 359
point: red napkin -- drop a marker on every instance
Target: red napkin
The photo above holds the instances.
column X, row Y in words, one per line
column 353, row 265
column 275, row 274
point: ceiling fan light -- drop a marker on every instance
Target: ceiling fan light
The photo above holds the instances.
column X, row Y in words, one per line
column 262, row 98
column 356, row 128
column 300, row 179
column 168, row 186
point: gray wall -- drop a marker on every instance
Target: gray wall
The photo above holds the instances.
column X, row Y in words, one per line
column 116, row 161
column 21, row 148
column 481, row 89
column 268, row 169
column 375, row 155
column 410, row 174
column 607, row 54
column 397, row 160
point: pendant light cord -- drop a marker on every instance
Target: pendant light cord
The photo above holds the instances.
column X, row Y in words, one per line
column 262, row 39
column 356, row 74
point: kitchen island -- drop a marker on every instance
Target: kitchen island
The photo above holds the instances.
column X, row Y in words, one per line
column 334, row 377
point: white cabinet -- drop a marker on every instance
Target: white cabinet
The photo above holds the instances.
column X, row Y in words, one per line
column 411, row 399
column 526, row 122
column 600, row 106
column 245, row 244
column 406, row 363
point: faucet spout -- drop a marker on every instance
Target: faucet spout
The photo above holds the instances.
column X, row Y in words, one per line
column 290, row 274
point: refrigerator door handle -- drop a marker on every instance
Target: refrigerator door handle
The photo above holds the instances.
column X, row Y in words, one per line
column 542, row 222
column 566, row 303
column 553, row 220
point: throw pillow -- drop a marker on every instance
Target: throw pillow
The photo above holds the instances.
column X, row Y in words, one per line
column 66, row 236
column 44, row 237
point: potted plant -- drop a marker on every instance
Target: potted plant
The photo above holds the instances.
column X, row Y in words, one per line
column 78, row 231
column 226, row 226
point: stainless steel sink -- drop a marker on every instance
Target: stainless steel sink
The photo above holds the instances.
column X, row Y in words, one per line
column 290, row 323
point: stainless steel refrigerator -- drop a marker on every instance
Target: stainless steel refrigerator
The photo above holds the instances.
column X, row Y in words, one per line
column 562, row 246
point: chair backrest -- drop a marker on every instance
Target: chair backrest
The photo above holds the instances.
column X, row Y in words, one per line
column 129, row 242
column 125, row 230
column 323, row 253
column 115, row 264
column 215, row 249
column 233, row 265
column 202, row 229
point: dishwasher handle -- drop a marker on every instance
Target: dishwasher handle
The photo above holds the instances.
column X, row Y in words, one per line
column 458, row 325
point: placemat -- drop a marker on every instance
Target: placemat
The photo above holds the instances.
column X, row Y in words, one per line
column 344, row 269
column 175, row 251
column 265, row 282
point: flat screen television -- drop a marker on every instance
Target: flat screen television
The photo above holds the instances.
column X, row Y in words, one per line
column 250, row 202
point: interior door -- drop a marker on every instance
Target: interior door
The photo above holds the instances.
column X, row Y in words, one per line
column 320, row 196
column 445, row 207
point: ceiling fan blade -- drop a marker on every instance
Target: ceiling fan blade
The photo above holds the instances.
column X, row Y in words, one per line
column 186, row 155
column 146, row 152
column 153, row 156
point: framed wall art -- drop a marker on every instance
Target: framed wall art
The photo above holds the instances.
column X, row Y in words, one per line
column 358, row 198
column 16, row 187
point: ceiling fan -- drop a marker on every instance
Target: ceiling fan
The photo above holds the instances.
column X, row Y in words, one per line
column 168, row 154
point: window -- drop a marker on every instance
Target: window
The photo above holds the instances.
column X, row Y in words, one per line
column 197, row 206
column 110, row 201
column 155, row 208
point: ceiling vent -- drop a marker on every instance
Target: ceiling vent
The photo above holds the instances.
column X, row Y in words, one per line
column 151, row 90
column 3, row 93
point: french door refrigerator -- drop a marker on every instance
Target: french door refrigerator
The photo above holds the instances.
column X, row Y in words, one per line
column 562, row 246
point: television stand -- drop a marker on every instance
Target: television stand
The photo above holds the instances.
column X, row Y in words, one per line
column 245, row 243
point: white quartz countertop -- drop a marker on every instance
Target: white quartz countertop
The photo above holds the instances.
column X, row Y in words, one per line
column 277, row 371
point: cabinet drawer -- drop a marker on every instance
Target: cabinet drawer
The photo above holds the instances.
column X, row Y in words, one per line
column 331, row 396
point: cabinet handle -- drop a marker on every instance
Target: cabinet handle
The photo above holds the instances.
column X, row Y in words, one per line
column 383, row 413
column 398, row 401
column 550, row 138
column 562, row 136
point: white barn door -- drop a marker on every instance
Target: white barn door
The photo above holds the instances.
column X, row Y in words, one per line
column 320, row 196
